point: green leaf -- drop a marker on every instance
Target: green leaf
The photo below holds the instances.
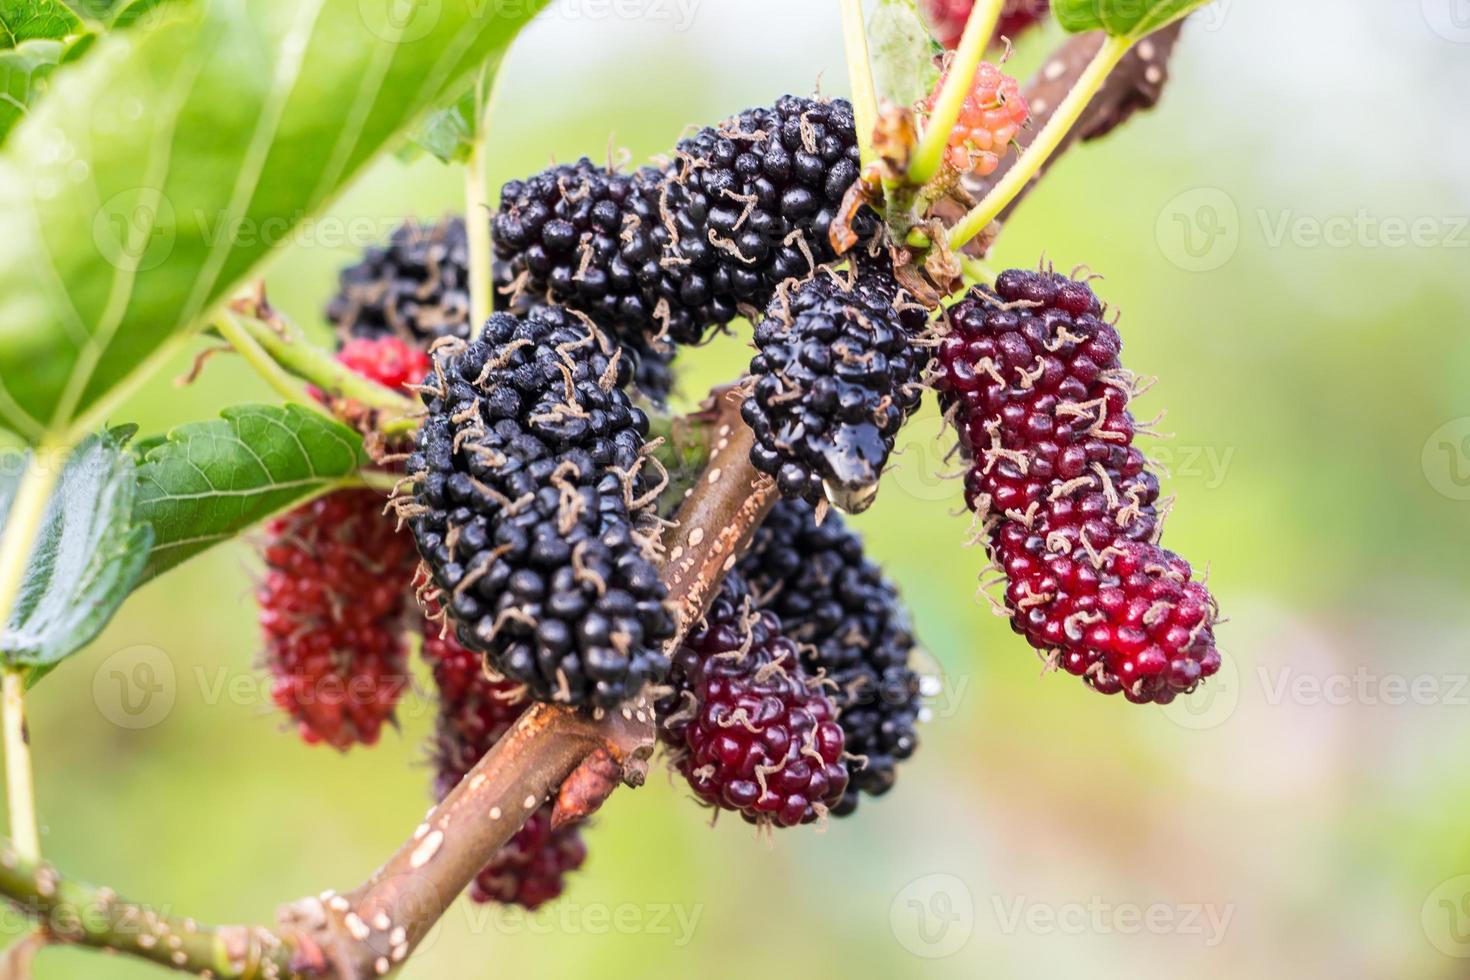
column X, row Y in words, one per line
column 212, row 480
column 902, row 52
column 449, row 133
column 88, row 553
column 23, row 71
column 25, row 20
column 1122, row 18
column 161, row 169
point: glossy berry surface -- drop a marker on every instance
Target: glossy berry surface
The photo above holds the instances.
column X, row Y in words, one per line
column 531, row 510
column 389, row 360
column 748, row 728
column 836, row 375
column 990, row 118
column 331, row 610
column 1031, row 372
column 474, row 712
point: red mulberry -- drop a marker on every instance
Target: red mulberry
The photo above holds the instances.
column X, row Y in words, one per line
column 1031, row 373
column 749, row 729
column 947, row 18
column 331, row 610
column 990, row 118
column 853, row 629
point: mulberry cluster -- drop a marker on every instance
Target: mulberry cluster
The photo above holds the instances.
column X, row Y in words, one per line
column 991, row 116
column 749, row 729
column 1032, row 375
column 528, row 505
column 415, row 288
column 837, row 374
column 474, row 712
column 673, row 252
column 853, row 630
column 331, row 611
column 947, row 18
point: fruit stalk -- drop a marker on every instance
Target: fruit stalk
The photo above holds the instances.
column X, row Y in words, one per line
column 232, row 328
column 20, row 788
column 979, row 28
column 860, row 77
column 1051, row 136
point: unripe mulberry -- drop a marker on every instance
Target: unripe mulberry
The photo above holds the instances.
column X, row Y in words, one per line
column 748, row 728
column 331, row 610
column 947, row 18
column 531, row 507
column 389, row 360
column 474, row 713
column 1031, row 375
column 837, row 374
column 990, row 118
column 853, row 629
column 416, row 287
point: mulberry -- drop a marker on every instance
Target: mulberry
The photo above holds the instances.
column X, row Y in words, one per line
column 992, row 114
column 836, row 377
column 749, row 729
column 530, row 507
column 1031, row 374
column 331, row 610
column 674, row 252
column 415, row 288
column 947, row 18
column 388, row 360
column 853, row 630
column 474, row 712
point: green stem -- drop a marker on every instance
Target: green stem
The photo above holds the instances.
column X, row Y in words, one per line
column 860, row 76
column 1051, row 136
column 477, row 204
column 287, row 348
column 19, row 786
column 959, row 77
column 232, row 328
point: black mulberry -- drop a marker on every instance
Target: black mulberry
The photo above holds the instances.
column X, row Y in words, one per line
column 530, row 505
column 416, row 287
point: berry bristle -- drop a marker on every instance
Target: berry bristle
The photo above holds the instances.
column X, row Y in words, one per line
column 1031, row 372
column 748, row 728
column 853, row 630
column 531, row 507
column 836, row 375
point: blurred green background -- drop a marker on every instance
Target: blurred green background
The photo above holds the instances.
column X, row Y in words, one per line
column 1286, row 239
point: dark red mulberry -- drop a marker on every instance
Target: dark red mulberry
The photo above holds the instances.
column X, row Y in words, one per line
column 331, row 610
column 1031, row 374
column 852, row 628
column 532, row 510
column 837, row 375
column 748, row 728
column 947, row 18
